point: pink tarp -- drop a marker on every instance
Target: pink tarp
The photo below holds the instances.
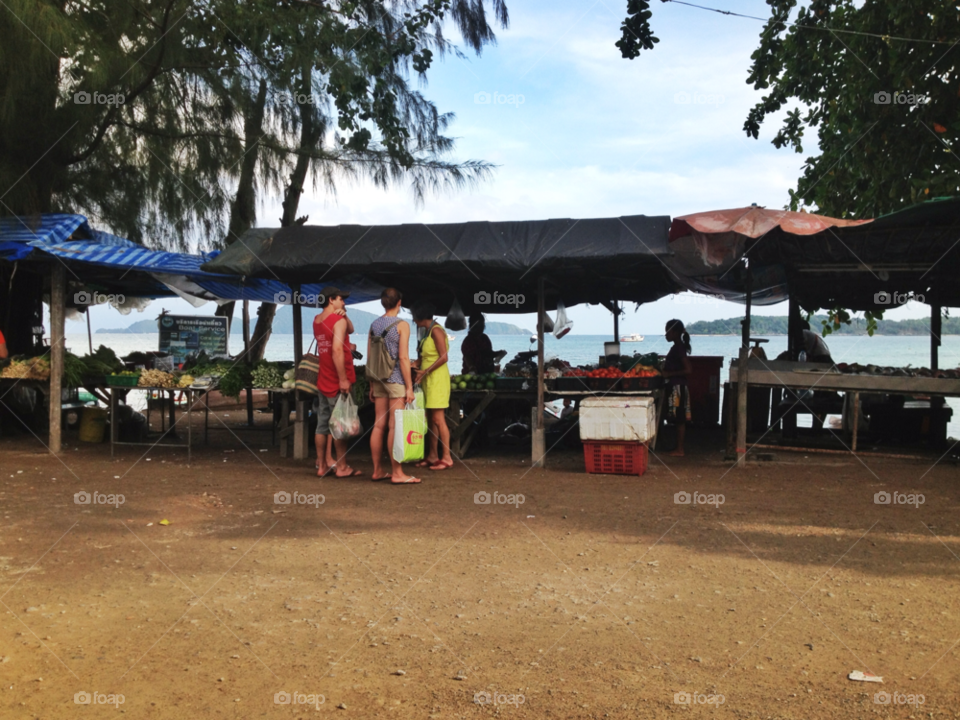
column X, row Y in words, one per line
column 756, row 221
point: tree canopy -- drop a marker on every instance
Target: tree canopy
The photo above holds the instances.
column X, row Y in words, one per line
column 135, row 113
column 878, row 83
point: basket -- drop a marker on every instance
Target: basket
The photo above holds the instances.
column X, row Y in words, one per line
column 641, row 383
column 514, row 383
column 123, row 380
column 615, row 458
column 574, row 383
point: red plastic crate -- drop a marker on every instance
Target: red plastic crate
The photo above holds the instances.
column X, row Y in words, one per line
column 615, row 458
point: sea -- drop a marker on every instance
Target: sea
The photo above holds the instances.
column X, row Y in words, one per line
column 885, row 350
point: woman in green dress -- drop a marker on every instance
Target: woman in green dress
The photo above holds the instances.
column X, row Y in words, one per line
column 433, row 375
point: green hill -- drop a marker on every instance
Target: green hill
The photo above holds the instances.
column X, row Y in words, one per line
column 777, row 325
column 283, row 323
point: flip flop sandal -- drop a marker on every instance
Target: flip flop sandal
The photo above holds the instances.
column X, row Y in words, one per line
column 355, row 473
column 379, row 479
column 423, row 464
column 409, row 481
column 441, row 466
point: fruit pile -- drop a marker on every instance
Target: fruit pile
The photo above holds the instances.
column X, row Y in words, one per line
column 473, row 381
column 642, row 371
column 610, row 372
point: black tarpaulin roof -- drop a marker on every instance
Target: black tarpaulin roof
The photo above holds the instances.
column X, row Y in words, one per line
column 581, row 260
column 914, row 251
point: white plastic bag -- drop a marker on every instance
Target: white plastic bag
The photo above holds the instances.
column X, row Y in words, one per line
column 562, row 326
column 345, row 420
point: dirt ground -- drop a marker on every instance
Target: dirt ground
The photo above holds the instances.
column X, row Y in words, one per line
column 597, row 597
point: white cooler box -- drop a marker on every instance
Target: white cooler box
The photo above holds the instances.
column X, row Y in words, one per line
column 618, row 419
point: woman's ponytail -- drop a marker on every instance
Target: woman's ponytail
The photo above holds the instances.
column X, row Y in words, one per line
column 685, row 339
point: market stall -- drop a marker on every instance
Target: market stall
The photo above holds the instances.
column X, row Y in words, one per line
column 464, row 266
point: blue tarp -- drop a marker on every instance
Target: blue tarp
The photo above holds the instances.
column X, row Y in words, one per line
column 70, row 238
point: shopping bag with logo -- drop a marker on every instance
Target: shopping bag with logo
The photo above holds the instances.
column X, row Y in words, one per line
column 345, row 420
column 409, row 430
column 307, row 370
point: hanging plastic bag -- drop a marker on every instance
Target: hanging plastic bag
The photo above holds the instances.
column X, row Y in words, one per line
column 456, row 320
column 562, row 326
column 345, row 420
column 409, row 430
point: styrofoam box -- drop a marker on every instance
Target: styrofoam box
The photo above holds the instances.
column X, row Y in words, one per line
column 631, row 419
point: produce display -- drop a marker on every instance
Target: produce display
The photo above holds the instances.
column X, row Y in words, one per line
column 473, row 381
column 266, row 375
column 289, row 379
column 186, row 381
column 157, row 378
column 37, row 368
column 856, row 368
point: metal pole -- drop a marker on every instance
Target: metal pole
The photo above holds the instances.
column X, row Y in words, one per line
column 89, row 332
column 539, row 443
column 58, row 286
column 616, row 320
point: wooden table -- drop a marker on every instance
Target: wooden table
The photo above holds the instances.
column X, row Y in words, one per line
column 114, row 424
column 817, row 376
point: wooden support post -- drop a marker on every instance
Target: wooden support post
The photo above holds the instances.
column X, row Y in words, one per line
column 301, row 447
column 742, row 406
column 742, row 378
column 936, row 330
column 539, row 444
column 246, row 358
column 58, row 289
column 616, row 320
column 856, row 420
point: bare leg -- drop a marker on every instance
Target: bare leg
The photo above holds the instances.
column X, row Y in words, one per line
column 320, row 441
column 681, row 434
column 432, row 457
column 343, row 470
column 440, row 421
column 380, row 425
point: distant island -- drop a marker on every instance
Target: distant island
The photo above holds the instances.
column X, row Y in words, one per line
column 777, row 325
column 283, row 324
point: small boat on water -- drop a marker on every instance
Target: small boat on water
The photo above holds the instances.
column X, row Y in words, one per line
column 634, row 337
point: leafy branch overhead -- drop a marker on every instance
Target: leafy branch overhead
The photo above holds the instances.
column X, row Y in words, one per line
column 143, row 115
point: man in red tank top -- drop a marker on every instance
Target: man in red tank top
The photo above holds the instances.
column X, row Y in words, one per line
column 332, row 329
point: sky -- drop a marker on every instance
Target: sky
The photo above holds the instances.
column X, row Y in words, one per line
column 578, row 132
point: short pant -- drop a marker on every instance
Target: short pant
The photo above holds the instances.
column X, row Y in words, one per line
column 323, row 407
column 388, row 390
